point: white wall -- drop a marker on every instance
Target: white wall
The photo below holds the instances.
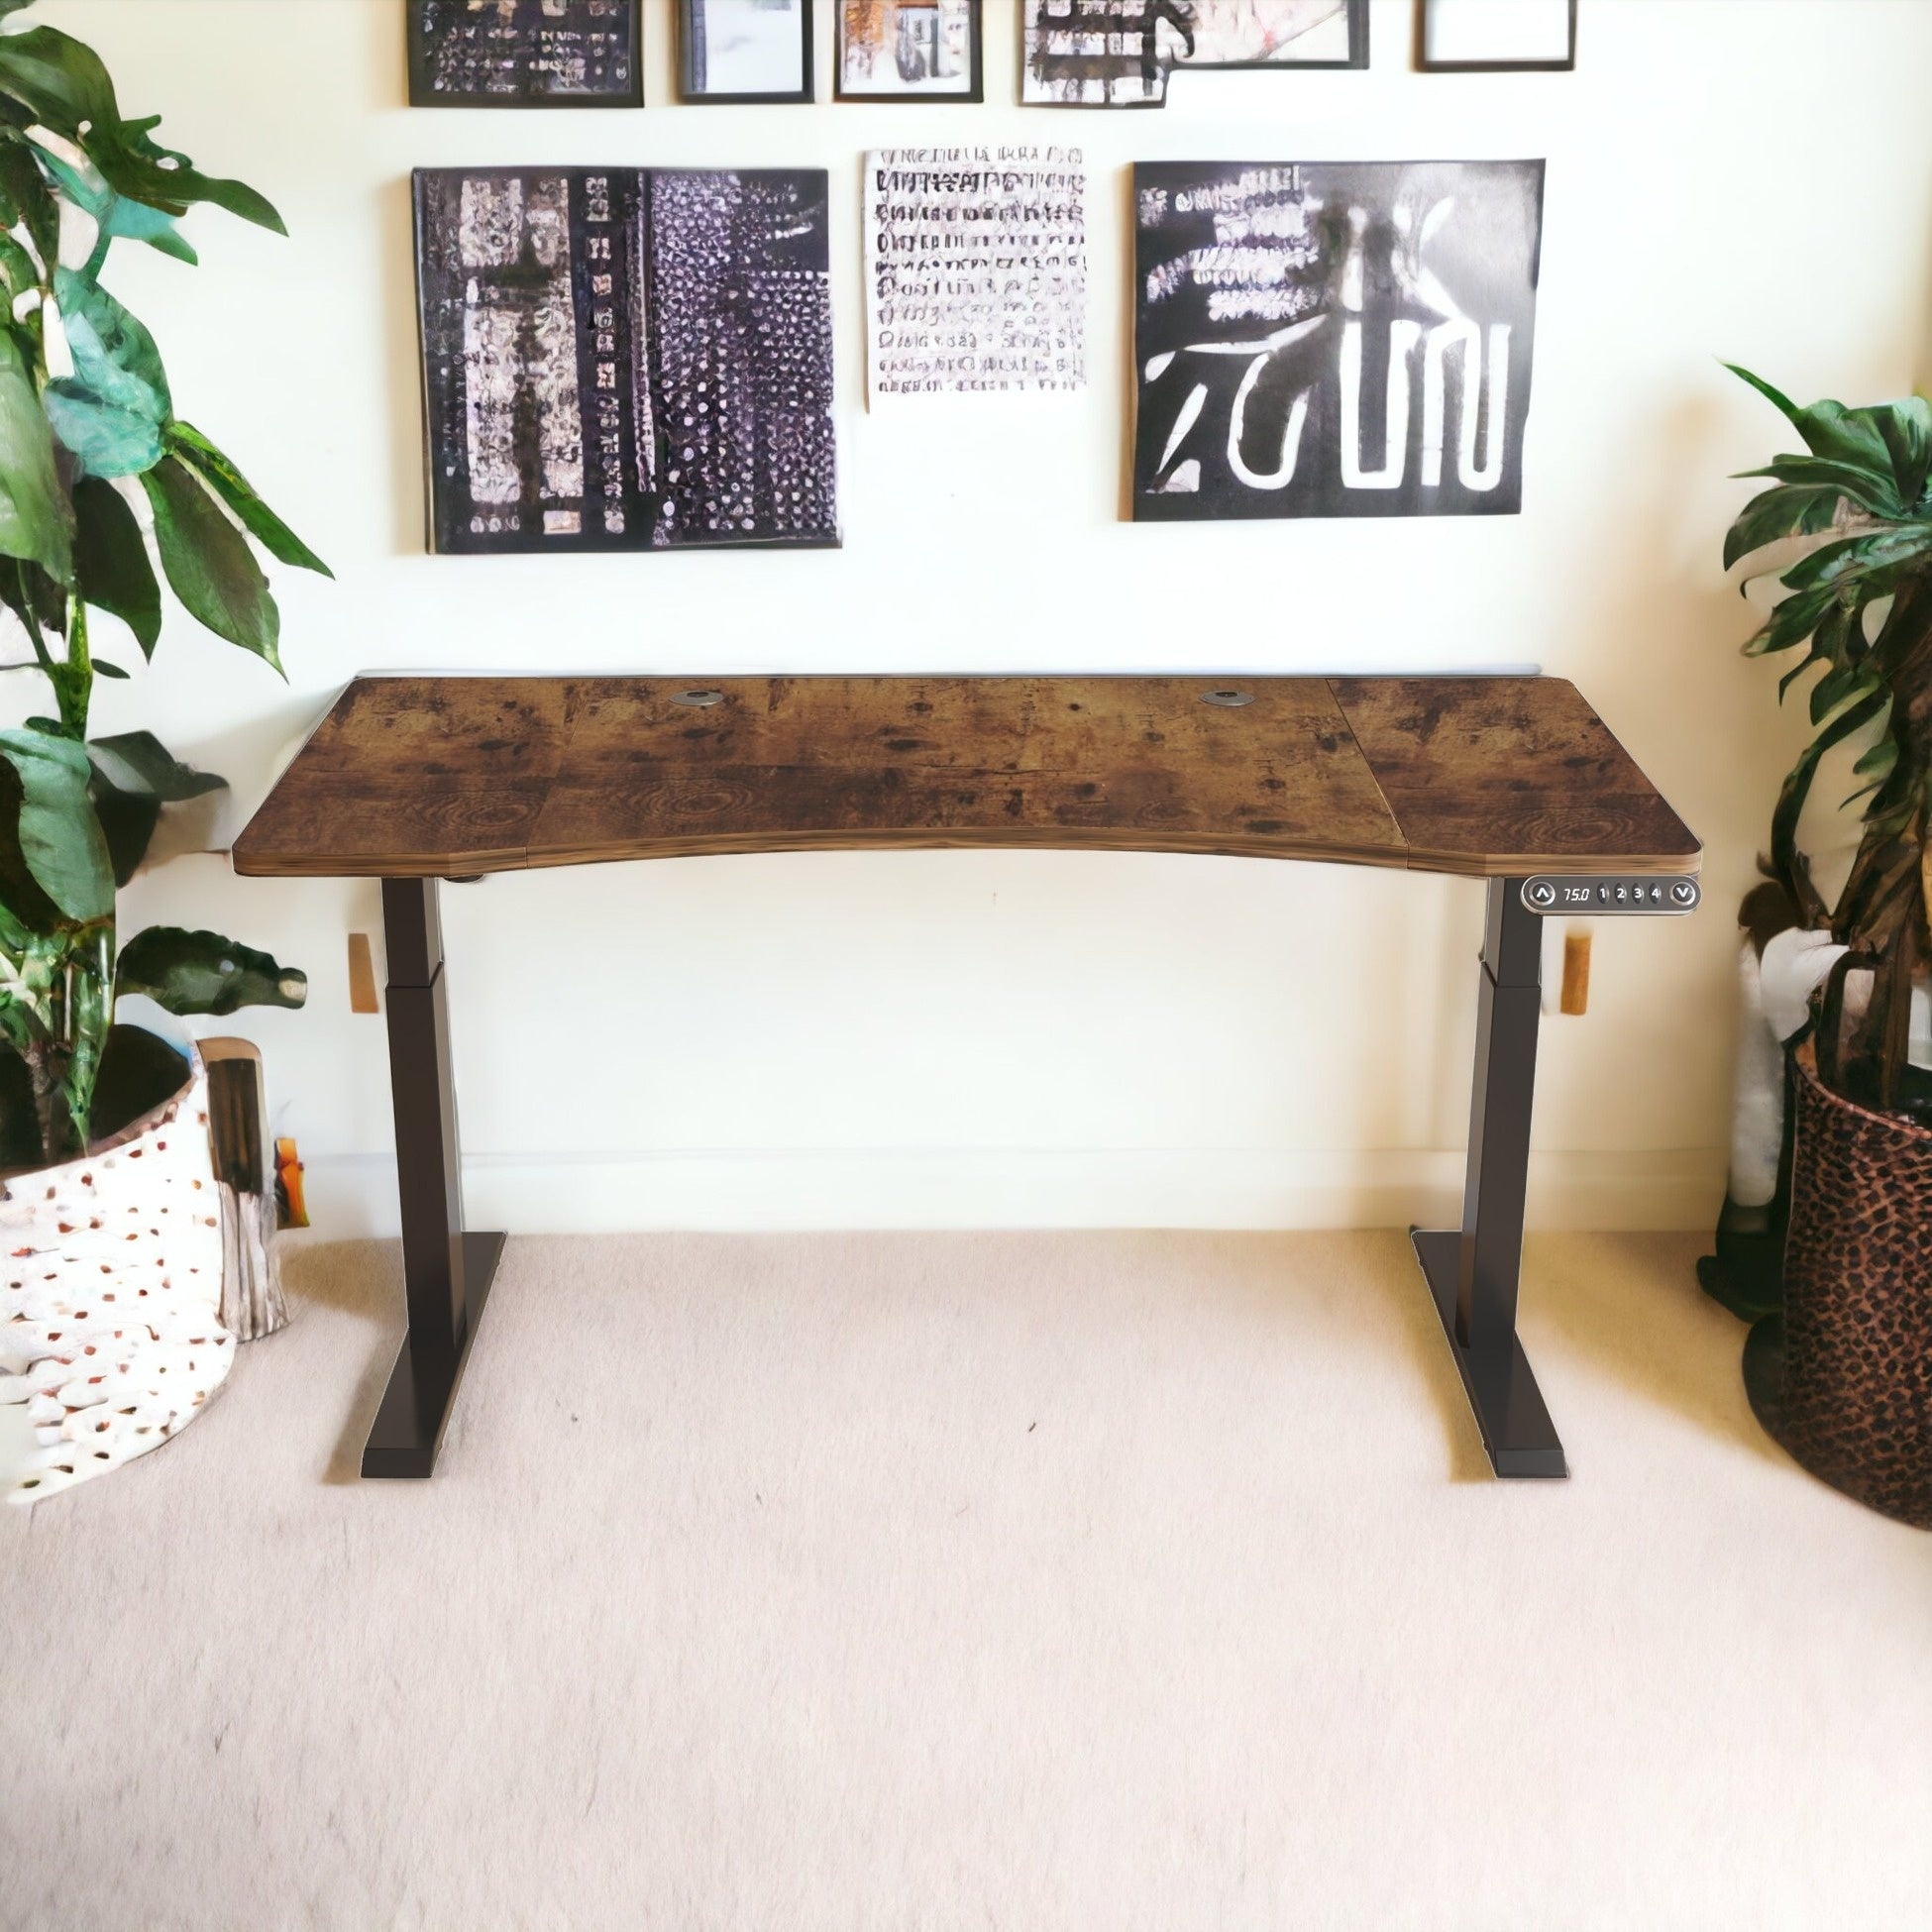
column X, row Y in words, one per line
column 964, row 1038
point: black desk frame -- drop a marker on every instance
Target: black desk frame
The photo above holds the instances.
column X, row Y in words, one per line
column 1471, row 1272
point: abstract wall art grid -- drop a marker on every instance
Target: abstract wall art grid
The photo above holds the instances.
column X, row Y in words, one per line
column 1120, row 52
column 525, row 53
column 626, row 358
column 1332, row 338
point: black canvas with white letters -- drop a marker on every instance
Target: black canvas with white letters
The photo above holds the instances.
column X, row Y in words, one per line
column 1332, row 338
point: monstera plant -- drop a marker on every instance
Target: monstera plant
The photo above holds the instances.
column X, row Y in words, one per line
column 1832, row 1270
column 89, row 440
column 1860, row 607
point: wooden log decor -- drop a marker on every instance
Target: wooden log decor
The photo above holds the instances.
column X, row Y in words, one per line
column 251, row 1304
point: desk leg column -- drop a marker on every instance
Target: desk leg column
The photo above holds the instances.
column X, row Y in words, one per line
column 1472, row 1274
column 446, row 1273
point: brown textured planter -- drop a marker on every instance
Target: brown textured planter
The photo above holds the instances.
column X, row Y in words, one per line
column 1843, row 1380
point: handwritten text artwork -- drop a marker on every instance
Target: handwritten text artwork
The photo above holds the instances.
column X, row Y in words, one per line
column 976, row 269
column 519, row 52
column 1332, row 339
column 1120, row 52
column 626, row 358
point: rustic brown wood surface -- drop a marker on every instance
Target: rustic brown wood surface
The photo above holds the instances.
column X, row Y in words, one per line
column 413, row 777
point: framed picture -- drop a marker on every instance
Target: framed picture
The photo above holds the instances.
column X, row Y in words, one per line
column 908, row 50
column 626, row 358
column 738, row 52
column 1332, row 338
column 525, row 52
column 1120, row 52
column 1496, row 36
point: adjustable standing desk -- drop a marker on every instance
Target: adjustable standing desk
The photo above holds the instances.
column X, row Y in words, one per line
column 1515, row 781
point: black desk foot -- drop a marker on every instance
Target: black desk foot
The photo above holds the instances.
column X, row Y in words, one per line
column 1516, row 1427
column 408, row 1428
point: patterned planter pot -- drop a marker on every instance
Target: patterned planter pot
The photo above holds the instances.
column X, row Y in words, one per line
column 110, row 1296
column 1843, row 1380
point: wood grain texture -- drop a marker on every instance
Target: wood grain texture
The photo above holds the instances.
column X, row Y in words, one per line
column 418, row 777
column 1502, row 776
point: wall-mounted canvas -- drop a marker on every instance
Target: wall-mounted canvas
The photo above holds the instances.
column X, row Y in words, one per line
column 625, row 359
column 1120, row 52
column 910, row 49
column 976, row 270
column 1332, row 338
column 525, row 52
column 741, row 53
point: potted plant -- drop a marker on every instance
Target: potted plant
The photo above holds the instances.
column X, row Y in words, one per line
column 1841, row 1372
column 108, row 1226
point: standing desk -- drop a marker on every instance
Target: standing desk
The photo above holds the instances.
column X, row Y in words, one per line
column 1510, row 780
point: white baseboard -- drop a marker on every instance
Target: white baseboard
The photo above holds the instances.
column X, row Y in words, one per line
column 355, row 1195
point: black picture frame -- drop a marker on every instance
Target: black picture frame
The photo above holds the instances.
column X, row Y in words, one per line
column 1424, row 65
column 423, row 91
column 1356, row 60
column 974, row 93
column 691, row 95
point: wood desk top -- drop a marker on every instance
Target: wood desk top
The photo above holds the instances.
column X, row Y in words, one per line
column 427, row 777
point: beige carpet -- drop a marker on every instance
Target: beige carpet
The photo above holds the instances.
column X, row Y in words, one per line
column 1084, row 1581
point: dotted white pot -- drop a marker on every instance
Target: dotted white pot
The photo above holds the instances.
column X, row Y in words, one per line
column 110, row 1298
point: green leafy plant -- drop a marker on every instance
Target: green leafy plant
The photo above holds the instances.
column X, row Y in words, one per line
column 1861, row 606
column 86, row 414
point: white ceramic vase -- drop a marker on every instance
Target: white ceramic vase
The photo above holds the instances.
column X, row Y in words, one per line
column 110, row 1298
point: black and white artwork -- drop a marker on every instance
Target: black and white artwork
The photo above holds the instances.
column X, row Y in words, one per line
column 1332, row 338
column 744, row 52
column 1120, row 52
column 625, row 359
column 976, row 269
column 908, row 50
column 525, row 52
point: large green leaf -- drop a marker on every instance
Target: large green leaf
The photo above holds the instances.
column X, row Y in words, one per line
column 1792, row 620
column 63, row 86
column 135, row 776
column 201, row 971
column 113, row 353
column 108, row 441
column 1861, row 556
column 137, row 761
column 34, row 518
column 1829, row 429
column 60, row 82
column 138, row 166
column 1872, row 490
column 59, row 836
column 114, row 215
column 208, row 561
column 1782, row 512
column 110, row 560
column 228, row 482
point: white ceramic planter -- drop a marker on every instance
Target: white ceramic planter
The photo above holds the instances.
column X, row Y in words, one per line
column 110, row 1298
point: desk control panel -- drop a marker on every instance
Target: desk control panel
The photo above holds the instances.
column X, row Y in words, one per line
column 1589, row 894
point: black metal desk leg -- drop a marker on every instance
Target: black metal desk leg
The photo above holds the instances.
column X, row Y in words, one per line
column 446, row 1273
column 1472, row 1274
